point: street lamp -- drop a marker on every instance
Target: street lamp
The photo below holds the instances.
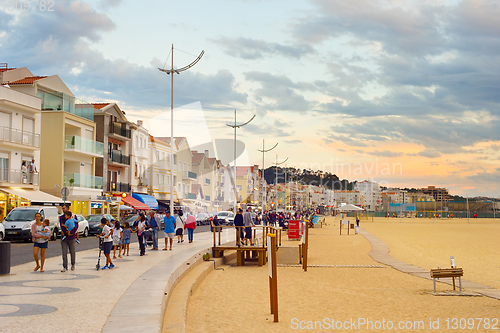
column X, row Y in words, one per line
column 276, row 184
column 235, row 126
column 172, row 71
column 263, row 169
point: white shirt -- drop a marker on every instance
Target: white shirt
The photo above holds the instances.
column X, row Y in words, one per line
column 179, row 222
column 141, row 226
column 108, row 234
column 116, row 232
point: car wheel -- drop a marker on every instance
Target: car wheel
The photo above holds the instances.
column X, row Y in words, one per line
column 86, row 232
column 54, row 234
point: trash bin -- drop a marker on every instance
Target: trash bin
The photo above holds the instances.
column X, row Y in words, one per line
column 352, row 225
column 4, row 257
column 356, row 230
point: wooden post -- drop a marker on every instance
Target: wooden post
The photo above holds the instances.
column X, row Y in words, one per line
column 273, row 277
column 213, row 229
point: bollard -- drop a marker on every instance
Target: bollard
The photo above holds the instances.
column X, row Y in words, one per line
column 4, row 257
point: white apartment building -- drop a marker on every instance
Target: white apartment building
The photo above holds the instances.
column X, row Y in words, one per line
column 370, row 192
column 139, row 158
column 347, row 197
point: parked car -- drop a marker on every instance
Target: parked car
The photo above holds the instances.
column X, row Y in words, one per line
column 225, row 218
column 94, row 221
column 2, row 231
column 19, row 221
column 202, row 219
column 83, row 226
column 130, row 219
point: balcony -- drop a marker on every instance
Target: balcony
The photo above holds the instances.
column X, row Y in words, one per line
column 191, row 196
column 79, row 145
column 85, row 181
column 142, row 153
column 117, row 187
column 119, row 130
column 11, row 135
column 188, row 175
column 116, row 157
column 15, row 176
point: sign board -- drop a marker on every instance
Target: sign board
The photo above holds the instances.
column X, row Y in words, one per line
column 303, row 227
column 344, row 222
column 269, row 257
column 293, row 229
column 65, row 191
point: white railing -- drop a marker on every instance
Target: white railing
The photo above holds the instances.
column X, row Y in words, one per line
column 16, row 176
column 9, row 134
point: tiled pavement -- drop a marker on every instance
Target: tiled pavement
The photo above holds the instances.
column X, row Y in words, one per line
column 128, row 297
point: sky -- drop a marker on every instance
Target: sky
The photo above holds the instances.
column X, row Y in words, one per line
column 404, row 93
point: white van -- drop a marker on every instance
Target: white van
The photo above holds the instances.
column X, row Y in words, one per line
column 19, row 220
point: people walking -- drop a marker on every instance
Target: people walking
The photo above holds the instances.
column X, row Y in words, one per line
column 107, row 235
column 169, row 230
column 179, row 226
column 127, row 233
column 190, row 226
column 68, row 243
column 141, row 227
column 117, row 237
column 238, row 223
column 40, row 241
column 248, row 223
column 153, row 224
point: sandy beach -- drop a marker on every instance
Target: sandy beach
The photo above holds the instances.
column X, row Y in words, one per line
column 237, row 299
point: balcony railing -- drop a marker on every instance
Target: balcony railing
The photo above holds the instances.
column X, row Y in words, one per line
column 117, row 187
column 191, row 196
column 85, row 145
column 16, row 176
column 189, row 175
column 117, row 157
column 79, row 180
column 120, row 129
column 9, row 134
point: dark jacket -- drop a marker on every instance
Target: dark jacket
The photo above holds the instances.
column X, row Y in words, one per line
column 64, row 230
column 238, row 220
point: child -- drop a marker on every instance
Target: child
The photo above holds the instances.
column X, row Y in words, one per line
column 107, row 243
column 117, row 236
column 46, row 229
column 127, row 232
column 70, row 224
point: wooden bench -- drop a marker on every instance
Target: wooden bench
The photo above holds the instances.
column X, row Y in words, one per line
column 252, row 252
column 447, row 273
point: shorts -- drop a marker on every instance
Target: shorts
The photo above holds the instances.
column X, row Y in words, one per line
column 248, row 232
column 169, row 234
column 106, row 246
column 126, row 241
column 179, row 232
column 44, row 245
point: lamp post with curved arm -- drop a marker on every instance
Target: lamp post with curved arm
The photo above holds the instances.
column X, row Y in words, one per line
column 263, row 171
column 172, row 71
column 276, row 189
column 235, row 126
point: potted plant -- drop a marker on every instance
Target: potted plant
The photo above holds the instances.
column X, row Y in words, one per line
column 71, row 182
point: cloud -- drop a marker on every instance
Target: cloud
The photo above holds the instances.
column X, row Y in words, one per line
column 251, row 49
column 63, row 43
column 110, row 3
column 279, row 92
column 385, row 153
column 292, row 142
column 429, row 153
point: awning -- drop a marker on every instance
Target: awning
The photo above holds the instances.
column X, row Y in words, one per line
column 35, row 196
column 146, row 199
column 128, row 200
column 165, row 204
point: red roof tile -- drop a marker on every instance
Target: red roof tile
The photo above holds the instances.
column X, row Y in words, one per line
column 100, row 105
column 197, row 157
column 27, row 80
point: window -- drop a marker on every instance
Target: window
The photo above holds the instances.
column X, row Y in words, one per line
column 136, row 170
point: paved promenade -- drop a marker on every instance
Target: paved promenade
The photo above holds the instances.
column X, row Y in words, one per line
column 126, row 298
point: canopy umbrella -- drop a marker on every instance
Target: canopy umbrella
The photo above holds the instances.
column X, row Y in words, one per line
column 349, row 208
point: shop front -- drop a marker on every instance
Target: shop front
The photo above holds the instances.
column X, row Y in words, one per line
column 11, row 198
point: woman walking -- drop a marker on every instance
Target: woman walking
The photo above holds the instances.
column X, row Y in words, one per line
column 179, row 225
column 190, row 226
column 41, row 242
column 141, row 227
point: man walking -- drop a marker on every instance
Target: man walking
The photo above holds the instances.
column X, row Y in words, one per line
column 153, row 224
column 67, row 243
column 169, row 230
column 248, row 223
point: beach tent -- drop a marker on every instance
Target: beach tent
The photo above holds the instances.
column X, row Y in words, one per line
column 349, row 208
